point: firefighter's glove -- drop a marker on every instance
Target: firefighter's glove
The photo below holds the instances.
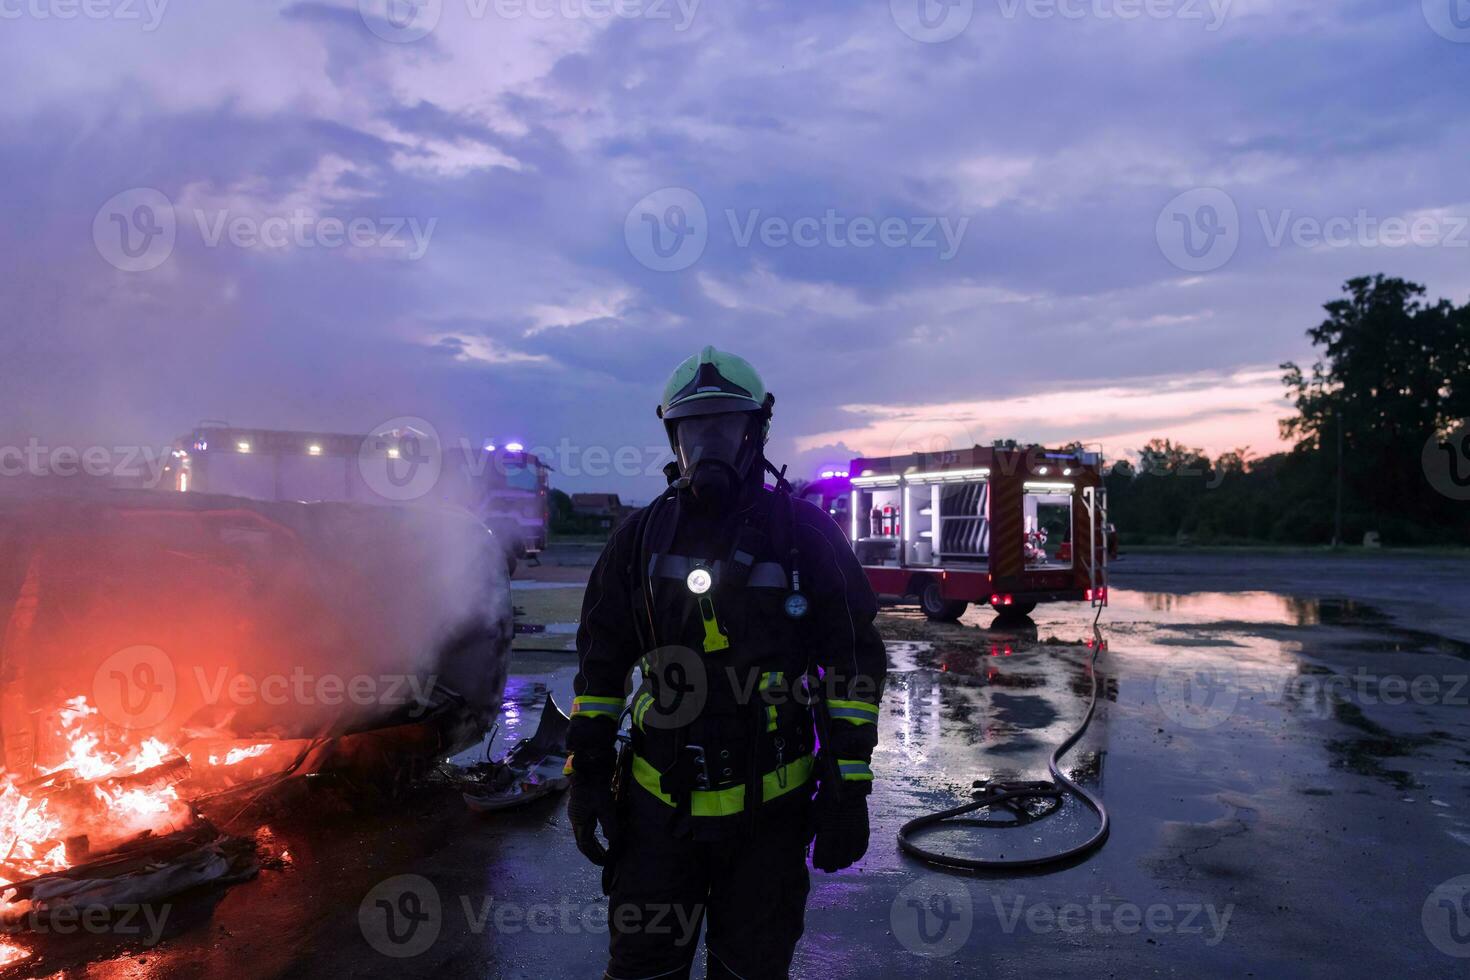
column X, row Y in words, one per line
column 842, row 831
column 590, row 803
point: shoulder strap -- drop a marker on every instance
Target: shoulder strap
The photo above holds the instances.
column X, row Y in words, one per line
column 637, row 574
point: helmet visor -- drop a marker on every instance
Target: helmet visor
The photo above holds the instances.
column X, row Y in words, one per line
column 726, row 438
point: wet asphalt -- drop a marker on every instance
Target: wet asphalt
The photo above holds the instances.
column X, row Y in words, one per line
column 1280, row 740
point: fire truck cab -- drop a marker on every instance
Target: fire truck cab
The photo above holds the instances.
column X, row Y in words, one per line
column 1007, row 527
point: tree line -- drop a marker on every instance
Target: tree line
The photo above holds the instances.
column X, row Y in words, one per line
column 1378, row 424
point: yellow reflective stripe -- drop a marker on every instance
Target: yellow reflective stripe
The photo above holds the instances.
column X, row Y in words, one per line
column 854, row 769
column 727, row 802
column 641, row 705
column 714, row 637
column 588, row 705
column 770, row 717
column 856, row 712
column 770, row 680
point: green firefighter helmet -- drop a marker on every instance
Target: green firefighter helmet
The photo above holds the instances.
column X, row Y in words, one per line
column 712, row 382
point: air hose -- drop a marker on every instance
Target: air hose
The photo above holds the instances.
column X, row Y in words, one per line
column 1012, row 796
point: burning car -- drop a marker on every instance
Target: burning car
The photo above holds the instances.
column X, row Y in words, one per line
column 161, row 652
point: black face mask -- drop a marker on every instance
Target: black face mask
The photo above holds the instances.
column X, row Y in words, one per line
column 715, row 454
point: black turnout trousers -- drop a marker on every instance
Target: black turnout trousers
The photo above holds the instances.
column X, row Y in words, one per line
column 748, row 888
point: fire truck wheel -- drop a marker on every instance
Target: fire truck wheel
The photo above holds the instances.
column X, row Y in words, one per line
column 1016, row 609
column 937, row 607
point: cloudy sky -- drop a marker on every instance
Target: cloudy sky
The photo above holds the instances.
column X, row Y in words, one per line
column 926, row 222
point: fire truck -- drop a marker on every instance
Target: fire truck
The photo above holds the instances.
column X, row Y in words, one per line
column 1008, row 527
column 504, row 487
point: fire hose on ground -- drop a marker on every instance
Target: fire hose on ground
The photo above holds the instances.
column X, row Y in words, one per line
column 1013, row 796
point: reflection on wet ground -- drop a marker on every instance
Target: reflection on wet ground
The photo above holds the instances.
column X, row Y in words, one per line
column 1296, row 760
column 1244, row 737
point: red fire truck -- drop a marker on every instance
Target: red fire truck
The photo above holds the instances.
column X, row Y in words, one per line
column 983, row 525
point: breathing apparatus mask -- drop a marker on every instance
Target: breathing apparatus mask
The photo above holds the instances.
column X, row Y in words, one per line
column 716, row 454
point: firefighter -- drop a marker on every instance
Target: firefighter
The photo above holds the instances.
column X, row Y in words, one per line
column 752, row 731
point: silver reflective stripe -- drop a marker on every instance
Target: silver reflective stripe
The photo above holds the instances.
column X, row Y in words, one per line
column 763, row 575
